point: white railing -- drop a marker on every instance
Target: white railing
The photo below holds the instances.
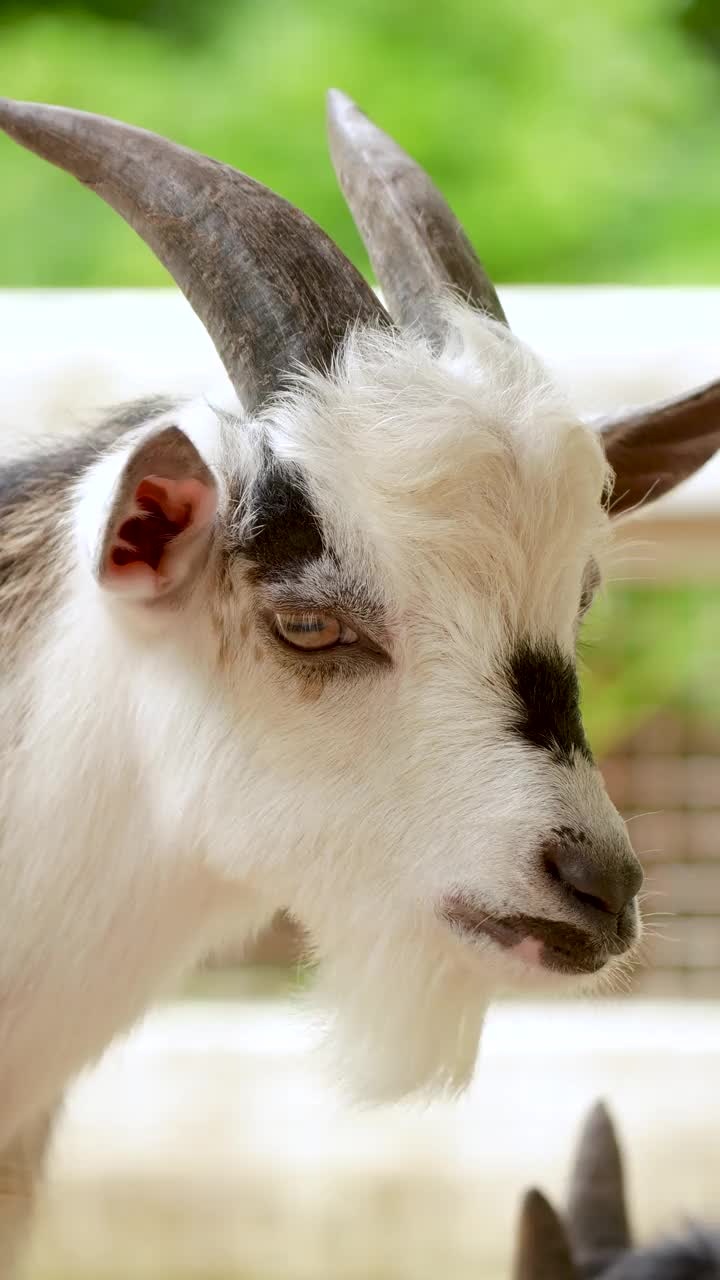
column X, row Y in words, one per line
column 65, row 354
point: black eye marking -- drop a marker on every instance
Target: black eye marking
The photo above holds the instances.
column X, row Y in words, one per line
column 287, row 532
column 546, row 698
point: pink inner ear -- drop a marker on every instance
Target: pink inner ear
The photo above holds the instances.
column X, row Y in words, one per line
column 165, row 509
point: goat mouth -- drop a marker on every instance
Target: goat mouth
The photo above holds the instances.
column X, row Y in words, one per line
column 549, row 944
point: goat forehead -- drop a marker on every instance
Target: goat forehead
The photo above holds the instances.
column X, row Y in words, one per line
column 475, row 445
column 466, row 565
column 446, row 482
column 485, row 532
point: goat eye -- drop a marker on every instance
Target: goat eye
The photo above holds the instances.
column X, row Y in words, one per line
column 313, row 630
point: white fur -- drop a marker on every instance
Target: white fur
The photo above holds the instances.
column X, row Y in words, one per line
column 153, row 796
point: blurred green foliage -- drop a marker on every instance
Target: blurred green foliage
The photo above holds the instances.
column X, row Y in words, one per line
column 179, row 18
column 702, row 19
column 646, row 649
column 576, row 139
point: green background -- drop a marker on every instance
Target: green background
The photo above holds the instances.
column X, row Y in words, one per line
column 577, row 139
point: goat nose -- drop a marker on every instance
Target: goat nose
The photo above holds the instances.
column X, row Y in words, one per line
column 604, row 879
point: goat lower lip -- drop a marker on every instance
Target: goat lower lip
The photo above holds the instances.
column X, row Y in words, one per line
column 564, row 947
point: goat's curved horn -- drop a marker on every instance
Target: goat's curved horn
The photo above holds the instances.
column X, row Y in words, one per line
column 542, row 1251
column 269, row 286
column 653, row 449
column 597, row 1220
column 415, row 242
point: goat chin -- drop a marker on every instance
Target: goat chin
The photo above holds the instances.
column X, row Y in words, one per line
column 416, row 1032
column 408, row 1011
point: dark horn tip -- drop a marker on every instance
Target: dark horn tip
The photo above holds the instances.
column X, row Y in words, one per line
column 537, row 1209
column 542, row 1249
column 535, row 1200
column 599, row 1119
column 597, row 1213
column 538, row 1218
column 12, row 107
column 17, row 117
column 11, row 115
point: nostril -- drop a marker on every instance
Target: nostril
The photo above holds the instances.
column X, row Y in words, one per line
column 573, row 881
column 605, row 880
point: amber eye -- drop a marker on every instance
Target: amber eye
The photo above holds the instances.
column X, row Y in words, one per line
column 312, row 630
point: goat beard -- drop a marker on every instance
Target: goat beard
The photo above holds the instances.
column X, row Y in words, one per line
column 406, row 1017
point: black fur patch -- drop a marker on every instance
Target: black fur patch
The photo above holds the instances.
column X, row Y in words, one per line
column 693, row 1257
column 286, row 528
column 545, row 689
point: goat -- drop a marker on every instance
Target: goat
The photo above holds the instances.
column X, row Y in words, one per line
column 594, row 1238
column 310, row 644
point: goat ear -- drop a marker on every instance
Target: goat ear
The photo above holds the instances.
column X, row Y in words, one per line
column 597, row 1218
column 159, row 525
column 652, row 450
column 543, row 1251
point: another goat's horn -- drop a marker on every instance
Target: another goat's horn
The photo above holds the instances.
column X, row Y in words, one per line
column 597, row 1219
column 269, row 286
column 415, row 242
column 542, row 1252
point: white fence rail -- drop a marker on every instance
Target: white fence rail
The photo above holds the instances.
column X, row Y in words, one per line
column 66, row 354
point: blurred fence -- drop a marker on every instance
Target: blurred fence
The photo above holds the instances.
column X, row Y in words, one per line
column 665, row 778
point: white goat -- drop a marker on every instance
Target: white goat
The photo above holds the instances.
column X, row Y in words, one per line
column 314, row 648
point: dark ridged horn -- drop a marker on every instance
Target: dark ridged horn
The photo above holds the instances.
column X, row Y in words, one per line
column 416, row 244
column 542, row 1250
column 654, row 448
column 269, row 286
column 597, row 1219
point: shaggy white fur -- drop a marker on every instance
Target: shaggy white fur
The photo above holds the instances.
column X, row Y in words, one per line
column 168, row 772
